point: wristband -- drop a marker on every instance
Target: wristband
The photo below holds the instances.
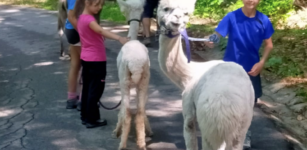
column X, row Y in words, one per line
column 214, row 38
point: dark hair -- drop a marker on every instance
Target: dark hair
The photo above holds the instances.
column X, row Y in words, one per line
column 79, row 7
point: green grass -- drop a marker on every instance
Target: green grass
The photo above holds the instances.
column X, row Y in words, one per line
column 111, row 12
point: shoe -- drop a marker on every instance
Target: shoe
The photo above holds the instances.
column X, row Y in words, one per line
column 98, row 123
column 146, row 41
column 247, row 141
column 79, row 106
column 71, row 103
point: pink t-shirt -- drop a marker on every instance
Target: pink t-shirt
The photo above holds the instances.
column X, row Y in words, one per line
column 92, row 43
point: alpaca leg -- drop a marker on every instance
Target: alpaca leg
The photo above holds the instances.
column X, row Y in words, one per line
column 118, row 130
column 123, row 125
column 140, row 123
column 238, row 143
column 141, row 115
column 205, row 145
column 144, row 83
column 189, row 116
column 125, row 113
column 148, row 130
column 125, row 128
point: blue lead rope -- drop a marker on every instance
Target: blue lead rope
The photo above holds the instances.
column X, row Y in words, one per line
column 187, row 43
column 213, row 38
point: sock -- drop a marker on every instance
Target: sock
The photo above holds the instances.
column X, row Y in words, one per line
column 71, row 95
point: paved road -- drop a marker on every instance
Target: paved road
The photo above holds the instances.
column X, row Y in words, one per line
column 33, row 95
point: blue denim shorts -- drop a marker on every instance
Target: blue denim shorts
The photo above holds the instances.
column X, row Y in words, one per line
column 256, row 81
column 149, row 8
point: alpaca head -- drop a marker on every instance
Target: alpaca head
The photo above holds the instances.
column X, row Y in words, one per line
column 175, row 14
column 132, row 9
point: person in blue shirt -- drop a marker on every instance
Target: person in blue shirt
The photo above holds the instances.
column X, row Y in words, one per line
column 247, row 29
column 75, row 50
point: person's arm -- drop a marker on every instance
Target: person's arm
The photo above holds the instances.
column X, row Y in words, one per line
column 98, row 29
column 221, row 30
column 72, row 18
column 268, row 46
column 257, row 68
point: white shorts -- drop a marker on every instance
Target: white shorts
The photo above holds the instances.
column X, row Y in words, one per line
column 77, row 44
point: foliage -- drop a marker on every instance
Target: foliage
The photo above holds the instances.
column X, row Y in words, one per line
column 216, row 9
column 111, row 12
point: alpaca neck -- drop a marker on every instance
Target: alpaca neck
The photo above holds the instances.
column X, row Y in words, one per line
column 173, row 61
column 133, row 30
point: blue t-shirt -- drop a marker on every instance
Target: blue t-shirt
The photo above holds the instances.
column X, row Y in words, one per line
column 70, row 6
column 245, row 37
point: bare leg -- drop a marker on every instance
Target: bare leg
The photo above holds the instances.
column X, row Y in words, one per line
column 146, row 31
column 75, row 65
column 146, row 27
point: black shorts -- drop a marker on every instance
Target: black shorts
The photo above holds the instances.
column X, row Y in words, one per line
column 149, row 7
column 72, row 36
column 256, row 81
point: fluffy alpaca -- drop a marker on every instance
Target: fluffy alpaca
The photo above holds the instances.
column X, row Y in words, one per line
column 133, row 70
column 217, row 94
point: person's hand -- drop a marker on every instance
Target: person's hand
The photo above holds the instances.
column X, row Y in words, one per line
column 123, row 40
column 257, row 68
column 209, row 44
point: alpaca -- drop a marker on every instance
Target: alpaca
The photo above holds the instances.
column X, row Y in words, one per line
column 132, row 10
column 62, row 16
column 133, row 70
column 216, row 94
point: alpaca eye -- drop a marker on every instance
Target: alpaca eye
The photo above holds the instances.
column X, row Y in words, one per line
column 186, row 14
column 166, row 9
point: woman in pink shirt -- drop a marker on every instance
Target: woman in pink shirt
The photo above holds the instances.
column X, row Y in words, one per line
column 93, row 60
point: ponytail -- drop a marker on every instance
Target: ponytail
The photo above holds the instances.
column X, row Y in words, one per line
column 79, row 7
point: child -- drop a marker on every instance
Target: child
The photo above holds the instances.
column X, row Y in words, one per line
column 93, row 60
column 247, row 28
column 75, row 48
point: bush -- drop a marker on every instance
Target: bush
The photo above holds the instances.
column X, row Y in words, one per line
column 216, row 9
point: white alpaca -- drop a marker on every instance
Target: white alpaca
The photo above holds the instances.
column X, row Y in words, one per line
column 133, row 70
column 217, row 94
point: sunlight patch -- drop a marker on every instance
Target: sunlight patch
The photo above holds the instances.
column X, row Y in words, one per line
column 44, row 63
column 10, row 11
column 6, row 113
